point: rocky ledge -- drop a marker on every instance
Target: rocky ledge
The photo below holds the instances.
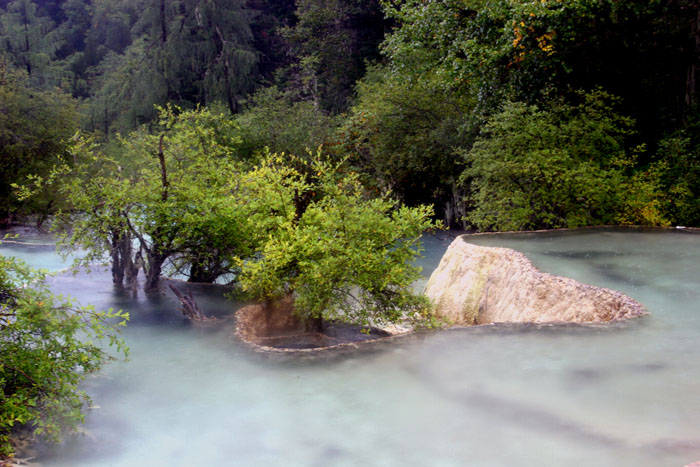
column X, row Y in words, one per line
column 273, row 327
column 483, row 285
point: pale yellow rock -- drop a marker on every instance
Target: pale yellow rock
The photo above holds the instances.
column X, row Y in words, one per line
column 482, row 285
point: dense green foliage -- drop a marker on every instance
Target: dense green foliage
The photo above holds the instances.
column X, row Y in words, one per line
column 274, row 119
column 332, row 39
column 561, row 167
column 48, row 345
column 455, row 89
column 402, row 135
column 644, row 52
column 34, row 127
column 162, row 193
column 677, row 170
column 503, row 115
column 188, row 200
column 442, row 70
column 341, row 254
column 483, row 55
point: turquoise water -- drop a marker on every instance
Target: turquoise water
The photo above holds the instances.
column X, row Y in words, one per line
column 526, row 395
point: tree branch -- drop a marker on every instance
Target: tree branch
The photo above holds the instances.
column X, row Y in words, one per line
column 163, row 170
column 17, row 370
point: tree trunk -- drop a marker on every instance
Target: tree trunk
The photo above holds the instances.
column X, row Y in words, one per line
column 163, row 24
column 301, row 202
column 155, row 257
column 123, row 264
column 43, row 215
column 314, row 325
column 155, row 266
column 221, row 58
column 117, row 265
column 163, row 170
column 189, row 306
column 692, row 78
column 129, row 263
column 6, row 219
column 455, row 207
column 131, row 269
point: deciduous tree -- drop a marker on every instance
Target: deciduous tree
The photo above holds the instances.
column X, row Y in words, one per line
column 340, row 254
column 159, row 198
column 48, row 345
column 563, row 166
column 34, row 128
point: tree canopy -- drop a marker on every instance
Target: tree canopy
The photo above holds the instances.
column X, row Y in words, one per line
column 341, row 255
column 563, row 166
column 157, row 200
column 281, row 224
column 35, row 125
column 402, row 88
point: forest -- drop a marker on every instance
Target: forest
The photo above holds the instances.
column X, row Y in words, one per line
column 279, row 144
column 503, row 115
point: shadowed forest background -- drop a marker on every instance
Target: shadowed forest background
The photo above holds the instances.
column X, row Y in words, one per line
column 503, row 114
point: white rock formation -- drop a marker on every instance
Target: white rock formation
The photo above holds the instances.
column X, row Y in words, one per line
column 481, row 285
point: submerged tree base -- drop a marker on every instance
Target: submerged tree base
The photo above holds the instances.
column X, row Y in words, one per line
column 272, row 327
column 25, row 451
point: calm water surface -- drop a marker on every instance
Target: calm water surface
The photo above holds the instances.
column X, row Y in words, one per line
column 618, row 395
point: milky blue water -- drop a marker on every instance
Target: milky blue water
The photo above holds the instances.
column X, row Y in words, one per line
column 525, row 395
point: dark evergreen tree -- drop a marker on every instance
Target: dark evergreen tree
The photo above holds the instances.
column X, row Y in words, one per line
column 31, row 40
column 186, row 52
column 270, row 18
column 332, row 41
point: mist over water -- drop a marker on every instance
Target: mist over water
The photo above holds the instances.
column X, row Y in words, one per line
column 526, row 395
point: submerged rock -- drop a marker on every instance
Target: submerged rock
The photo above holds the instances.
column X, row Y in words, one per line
column 482, row 285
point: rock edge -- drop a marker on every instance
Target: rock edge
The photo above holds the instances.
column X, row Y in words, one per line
column 266, row 327
column 484, row 285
